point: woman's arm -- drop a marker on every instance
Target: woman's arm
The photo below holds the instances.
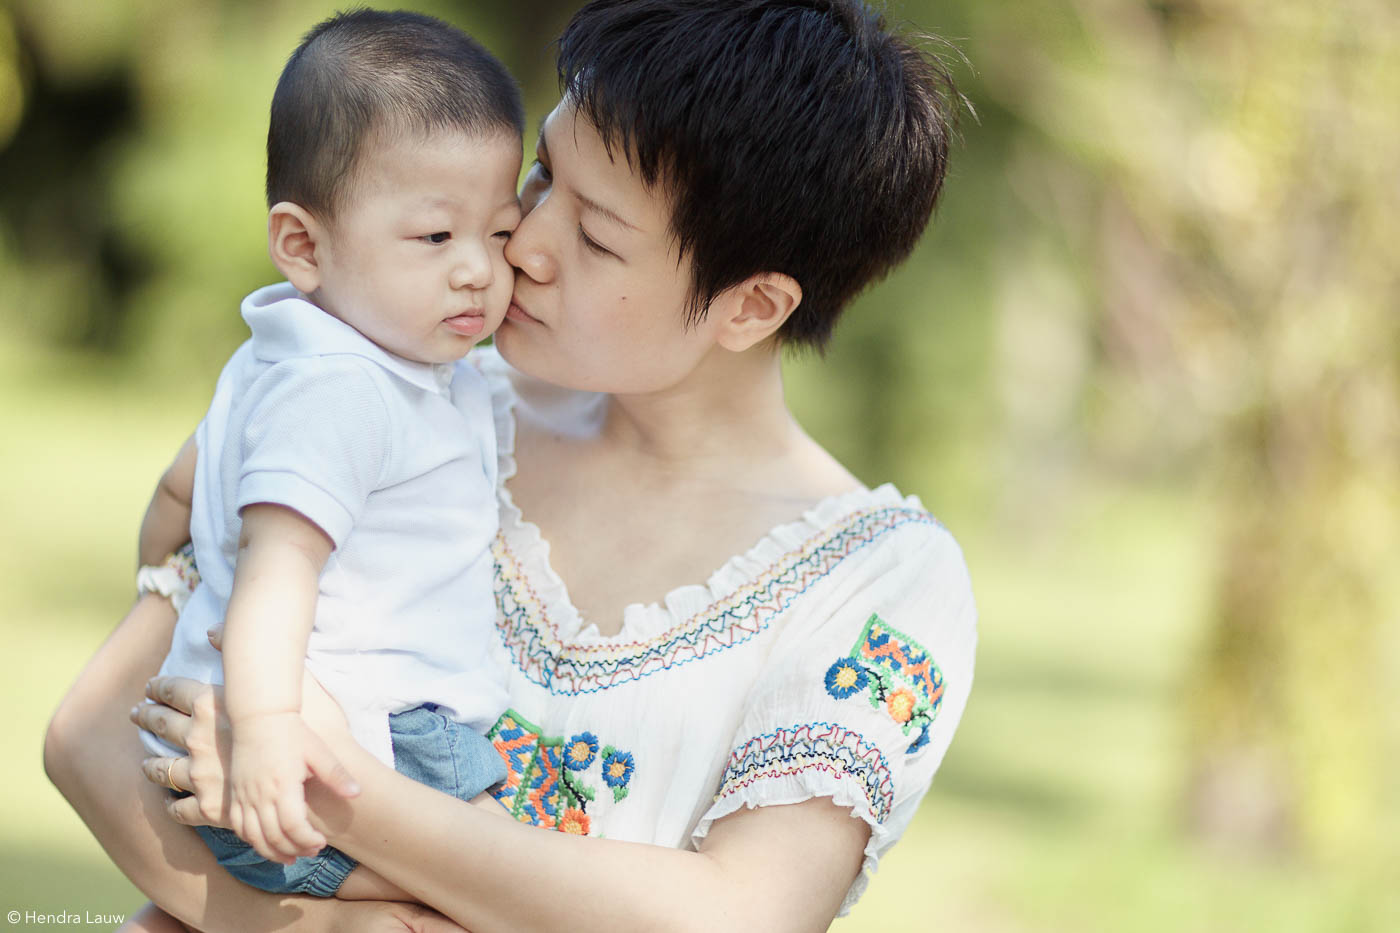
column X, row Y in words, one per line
column 166, row 525
column 775, row 868
column 92, row 754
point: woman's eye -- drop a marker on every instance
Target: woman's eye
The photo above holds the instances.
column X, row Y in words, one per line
column 592, row 243
column 437, row 238
column 503, row 234
column 545, row 173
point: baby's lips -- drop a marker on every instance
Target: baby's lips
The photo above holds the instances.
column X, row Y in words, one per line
column 469, row 324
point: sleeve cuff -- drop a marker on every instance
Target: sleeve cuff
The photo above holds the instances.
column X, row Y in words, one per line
column 302, row 496
column 807, row 760
column 175, row 579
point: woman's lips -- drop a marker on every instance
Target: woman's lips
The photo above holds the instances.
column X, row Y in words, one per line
column 468, row 324
column 519, row 314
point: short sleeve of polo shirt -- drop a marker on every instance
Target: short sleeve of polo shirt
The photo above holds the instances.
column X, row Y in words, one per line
column 316, row 438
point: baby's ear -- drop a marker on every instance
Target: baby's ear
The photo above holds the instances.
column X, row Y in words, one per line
column 294, row 237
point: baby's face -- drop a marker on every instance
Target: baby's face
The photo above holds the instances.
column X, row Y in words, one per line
column 415, row 260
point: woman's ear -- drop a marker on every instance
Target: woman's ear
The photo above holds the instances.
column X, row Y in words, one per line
column 755, row 309
column 294, row 241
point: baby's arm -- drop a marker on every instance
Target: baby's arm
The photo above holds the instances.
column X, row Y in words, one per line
column 270, row 614
column 166, row 525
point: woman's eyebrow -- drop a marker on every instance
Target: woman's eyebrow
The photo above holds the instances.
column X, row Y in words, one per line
column 585, row 200
column 599, row 209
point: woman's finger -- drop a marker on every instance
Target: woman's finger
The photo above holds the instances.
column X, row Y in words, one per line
column 216, row 636
column 172, row 773
column 178, row 692
column 327, row 767
column 170, row 724
column 185, row 810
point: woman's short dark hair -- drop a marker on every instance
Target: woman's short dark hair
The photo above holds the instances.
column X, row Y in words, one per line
column 363, row 73
column 793, row 136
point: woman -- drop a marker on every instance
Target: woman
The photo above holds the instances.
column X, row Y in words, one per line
column 717, row 183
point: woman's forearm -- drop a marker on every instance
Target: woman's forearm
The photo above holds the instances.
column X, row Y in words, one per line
column 92, row 754
column 779, row 868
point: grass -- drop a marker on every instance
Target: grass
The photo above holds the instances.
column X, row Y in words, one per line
column 1055, row 810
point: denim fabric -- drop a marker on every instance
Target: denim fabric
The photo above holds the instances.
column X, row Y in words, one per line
column 428, row 747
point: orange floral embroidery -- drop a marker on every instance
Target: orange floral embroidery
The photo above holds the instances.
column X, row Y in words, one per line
column 574, row 821
column 900, row 705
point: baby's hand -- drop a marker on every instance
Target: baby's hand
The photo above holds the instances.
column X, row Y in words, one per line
column 273, row 755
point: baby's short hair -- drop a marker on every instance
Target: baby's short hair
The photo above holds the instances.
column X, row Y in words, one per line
column 794, row 136
column 366, row 73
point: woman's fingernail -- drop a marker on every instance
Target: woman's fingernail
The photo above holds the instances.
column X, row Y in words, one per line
column 135, row 711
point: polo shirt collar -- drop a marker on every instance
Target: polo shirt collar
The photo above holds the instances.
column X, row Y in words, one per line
column 286, row 326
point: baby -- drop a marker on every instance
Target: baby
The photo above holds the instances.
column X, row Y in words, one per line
column 343, row 490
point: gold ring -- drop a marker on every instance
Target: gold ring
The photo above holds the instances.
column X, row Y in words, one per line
column 169, row 778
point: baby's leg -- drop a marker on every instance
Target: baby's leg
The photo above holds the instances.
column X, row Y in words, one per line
column 151, row 919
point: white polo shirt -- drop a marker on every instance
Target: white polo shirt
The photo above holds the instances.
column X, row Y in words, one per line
column 396, row 462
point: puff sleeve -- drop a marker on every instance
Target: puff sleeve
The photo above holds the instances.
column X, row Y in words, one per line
column 859, row 699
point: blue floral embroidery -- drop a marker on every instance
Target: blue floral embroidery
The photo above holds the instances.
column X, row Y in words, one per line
column 920, row 742
column 617, row 771
column 845, row 678
column 581, row 751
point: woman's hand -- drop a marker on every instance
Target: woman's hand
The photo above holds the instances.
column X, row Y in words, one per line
column 191, row 715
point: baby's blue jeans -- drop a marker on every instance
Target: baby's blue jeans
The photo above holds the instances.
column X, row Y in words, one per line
column 428, row 747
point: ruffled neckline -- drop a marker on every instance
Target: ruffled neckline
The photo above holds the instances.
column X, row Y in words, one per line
column 640, row 620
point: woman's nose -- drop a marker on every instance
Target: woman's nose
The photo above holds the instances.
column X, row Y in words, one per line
column 526, row 249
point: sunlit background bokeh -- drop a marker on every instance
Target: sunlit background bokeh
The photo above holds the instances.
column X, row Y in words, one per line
column 1144, row 367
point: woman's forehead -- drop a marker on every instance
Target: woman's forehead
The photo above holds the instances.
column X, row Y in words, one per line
column 603, row 181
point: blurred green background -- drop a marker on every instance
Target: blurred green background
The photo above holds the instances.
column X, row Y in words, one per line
column 1144, row 366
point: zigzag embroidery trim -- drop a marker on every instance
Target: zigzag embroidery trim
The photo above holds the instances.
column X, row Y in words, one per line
column 538, row 653
column 812, row 747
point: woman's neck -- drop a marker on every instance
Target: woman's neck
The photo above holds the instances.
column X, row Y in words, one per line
column 728, row 412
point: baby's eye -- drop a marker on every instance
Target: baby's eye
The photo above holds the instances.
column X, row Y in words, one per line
column 545, row 174
column 503, row 234
column 436, row 238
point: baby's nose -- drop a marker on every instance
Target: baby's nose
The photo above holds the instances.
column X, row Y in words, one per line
column 472, row 269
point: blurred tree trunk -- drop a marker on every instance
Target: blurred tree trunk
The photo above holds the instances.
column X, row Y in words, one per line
column 1246, row 157
column 1288, row 741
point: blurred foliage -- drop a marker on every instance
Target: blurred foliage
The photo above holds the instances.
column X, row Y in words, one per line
column 1144, row 364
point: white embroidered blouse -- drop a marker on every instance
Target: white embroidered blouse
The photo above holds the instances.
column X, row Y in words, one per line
column 833, row 658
